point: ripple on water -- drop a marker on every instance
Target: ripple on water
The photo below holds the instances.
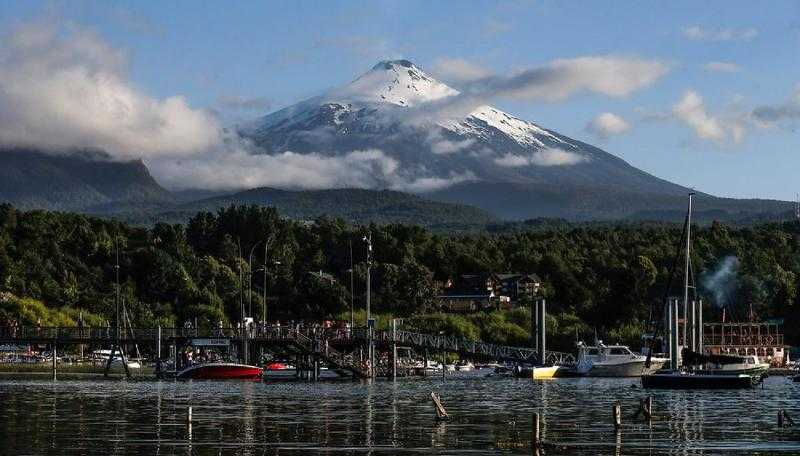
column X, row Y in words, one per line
column 489, row 416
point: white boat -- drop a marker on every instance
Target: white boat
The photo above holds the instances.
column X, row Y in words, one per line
column 101, row 357
column 749, row 365
column 466, row 367
column 614, row 361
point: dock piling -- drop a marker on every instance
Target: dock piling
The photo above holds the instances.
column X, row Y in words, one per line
column 441, row 413
column 617, row 415
column 55, row 362
column 536, row 439
column 784, row 420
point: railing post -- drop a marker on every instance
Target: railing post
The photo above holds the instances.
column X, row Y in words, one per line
column 394, row 349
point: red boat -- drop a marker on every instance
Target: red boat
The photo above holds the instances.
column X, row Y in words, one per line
column 221, row 371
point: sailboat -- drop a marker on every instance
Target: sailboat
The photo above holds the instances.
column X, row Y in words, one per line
column 679, row 376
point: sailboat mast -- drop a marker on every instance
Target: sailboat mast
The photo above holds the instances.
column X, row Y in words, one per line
column 687, row 266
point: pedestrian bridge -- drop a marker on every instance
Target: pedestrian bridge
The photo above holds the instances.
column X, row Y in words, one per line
column 309, row 338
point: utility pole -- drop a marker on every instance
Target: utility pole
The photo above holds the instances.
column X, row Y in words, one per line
column 371, row 346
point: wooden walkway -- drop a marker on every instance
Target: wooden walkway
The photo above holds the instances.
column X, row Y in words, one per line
column 314, row 340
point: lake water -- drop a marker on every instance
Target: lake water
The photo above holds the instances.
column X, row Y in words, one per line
column 489, row 416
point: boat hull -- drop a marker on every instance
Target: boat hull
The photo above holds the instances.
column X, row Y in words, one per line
column 540, row 373
column 696, row 381
column 631, row 369
column 221, row 371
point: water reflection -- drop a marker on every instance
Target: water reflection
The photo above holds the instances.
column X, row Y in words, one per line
column 488, row 415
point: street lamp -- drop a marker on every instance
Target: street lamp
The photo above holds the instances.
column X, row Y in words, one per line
column 264, row 289
column 250, row 276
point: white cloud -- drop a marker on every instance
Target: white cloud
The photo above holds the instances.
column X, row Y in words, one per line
column 67, row 89
column 512, row 161
column 607, row 124
column 722, row 67
column 544, row 157
column 613, row 76
column 699, row 33
column 458, row 70
column 731, row 125
column 692, row 111
column 442, row 146
column 235, row 167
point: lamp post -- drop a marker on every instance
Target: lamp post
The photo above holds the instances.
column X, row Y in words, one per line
column 250, row 274
column 264, row 289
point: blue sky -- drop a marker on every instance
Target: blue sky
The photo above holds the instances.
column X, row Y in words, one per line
column 277, row 53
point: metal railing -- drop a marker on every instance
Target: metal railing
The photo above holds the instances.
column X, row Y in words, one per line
column 297, row 334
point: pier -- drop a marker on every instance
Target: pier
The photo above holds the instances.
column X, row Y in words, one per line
column 341, row 349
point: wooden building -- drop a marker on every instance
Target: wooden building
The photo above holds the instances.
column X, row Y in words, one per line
column 764, row 340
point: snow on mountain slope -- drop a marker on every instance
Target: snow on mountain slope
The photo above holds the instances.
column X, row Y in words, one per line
column 397, row 82
column 381, row 111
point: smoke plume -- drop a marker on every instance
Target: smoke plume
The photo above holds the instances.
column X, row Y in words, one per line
column 721, row 281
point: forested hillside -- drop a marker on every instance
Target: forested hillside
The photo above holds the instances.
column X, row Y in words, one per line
column 595, row 277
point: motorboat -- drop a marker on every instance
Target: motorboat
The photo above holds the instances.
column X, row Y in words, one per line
column 277, row 366
column 735, row 365
column 220, row 371
column 614, row 361
column 465, row 367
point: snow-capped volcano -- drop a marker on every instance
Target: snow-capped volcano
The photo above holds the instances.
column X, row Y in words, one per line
column 397, row 82
column 396, row 108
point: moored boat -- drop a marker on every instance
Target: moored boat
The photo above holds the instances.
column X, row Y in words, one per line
column 614, row 361
column 688, row 380
column 220, row 371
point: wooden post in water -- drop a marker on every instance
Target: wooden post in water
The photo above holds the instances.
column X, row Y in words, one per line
column 189, row 422
column 158, row 343
column 441, row 413
column 536, row 439
column 394, row 349
column 55, row 362
column 648, row 408
column 617, row 415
